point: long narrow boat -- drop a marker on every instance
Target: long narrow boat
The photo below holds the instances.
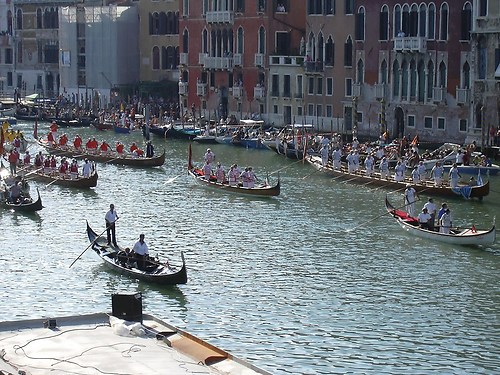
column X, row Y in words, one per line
column 263, row 190
column 55, row 178
column 156, row 272
column 457, row 236
column 26, row 205
column 466, row 191
column 110, row 158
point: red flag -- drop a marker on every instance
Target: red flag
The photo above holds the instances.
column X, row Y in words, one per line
column 35, row 130
column 2, row 140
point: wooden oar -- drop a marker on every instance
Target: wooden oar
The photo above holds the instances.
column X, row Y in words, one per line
column 92, row 243
column 379, row 216
column 285, row 167
column 310, row 174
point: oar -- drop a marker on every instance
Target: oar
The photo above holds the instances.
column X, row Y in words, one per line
column 285, row 167
column 92, row 243
column 379, row 216
column 310, row 174
column 172, row 179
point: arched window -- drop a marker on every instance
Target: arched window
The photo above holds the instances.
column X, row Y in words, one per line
column 156, row 58
column 185, row 41
column 164, row 58
column 39, row 19
column 413, row 21
column 156, row 23
column 360, row 24
column 430, row 80
column 397, row 20
column 329, row 52
column 443, row 22
column 262, row 40
column 360, row 71
column 384, row 23
column 421, row 81
column 413, row 79
column 204, row 44
column 19, row 19
column 431, row 22
column 348, row 52
column 321, row 52
column 383, row 72
column 239, row 40
column 466, row 76
column 466, row 26
column 9, row 22
column 405, row 19
column 404, row 80
column 311, row 47
column 442, row 75
column 162, row 24
column 395, row 79
column 422, row 21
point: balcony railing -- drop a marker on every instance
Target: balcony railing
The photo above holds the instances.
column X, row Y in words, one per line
column 224, row 16
column 259, row 92
column 314, row 66
column 439, row 94
column 380, row 90
column 221, row 63
column 183, row 58
column 237, row 92
column 259, row 59
column 410, row 44
column 463, row 96
column 238, row 59
column 201, row 89
column 201, row 58
column 183, row 88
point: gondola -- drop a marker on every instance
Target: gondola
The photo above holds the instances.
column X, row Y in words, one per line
column 156, row 272
column 263, row 190
column 26, row 205
column 457, row 236
column 360, row 177
column 110, row 158
column 55, row 178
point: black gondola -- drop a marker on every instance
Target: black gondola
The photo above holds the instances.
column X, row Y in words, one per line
column 25, row 205
column 154, row 271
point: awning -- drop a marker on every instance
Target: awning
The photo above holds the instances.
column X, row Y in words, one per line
column 32, row 96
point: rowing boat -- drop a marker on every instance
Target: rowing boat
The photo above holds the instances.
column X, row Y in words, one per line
column 457, row 236
column 263, row 190
column 108, row 158
column 360, row 177
column 27, row 204
column 154, row 271
column 55, row 178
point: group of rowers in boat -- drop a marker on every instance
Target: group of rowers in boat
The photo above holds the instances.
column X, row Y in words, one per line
column 65, row 169
column 234, row 176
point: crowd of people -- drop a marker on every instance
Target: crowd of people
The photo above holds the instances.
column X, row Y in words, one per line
column 234, row 176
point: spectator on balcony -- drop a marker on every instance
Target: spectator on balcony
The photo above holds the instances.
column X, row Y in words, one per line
column 401, row 34
column 281, row 8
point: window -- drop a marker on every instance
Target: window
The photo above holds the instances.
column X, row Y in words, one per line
column 185, row 42
column 262, row 40
column 329, row 7
column 430, row 80
column 384, row 23
column 482, row 57
column 329, row 86
column 39, row 24
column 483, row 8
column 185, row 7
column 19, row 81
column 443, row 23
column 431, row 22
column 20, row 52
column 275, row 85
column 428, row 122
column 395, row 79
column 422, row 21
column 466, row 26
column 441, row 123
column 262, row 6
column 462, row 125
column 8, row 56
column 348, row 87
column 156, row 58
column 9, row 79
column 329, row 111
column 310, row 110
column 329, row 52
column 286, row 86
column 348, row 52
column 19, row 19
column 411, row 121
column 275, row 109
column 360, row 24
column 349, row 6
column 442, row 75
column 360, row 72
column 299, row 111
column 240, row 6
column 311, row 86
column 320, row 87
column 319, row 110
column 300, row 88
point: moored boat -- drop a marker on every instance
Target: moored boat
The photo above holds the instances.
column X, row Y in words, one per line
column 456, row 235
column 26, row 204
column 360, row 177
column 154, row 271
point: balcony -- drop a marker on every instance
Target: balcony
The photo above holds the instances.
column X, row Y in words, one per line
column 201, row 89
column 259, row 92
column 259, row 59
column 410, row 44
column 238, row 59
column 201, row 58
column 183, row 88
column 380, row 91
column 314, row 67
column 356, row 89
column 438, row 94
column 218, row 63
column 183, row 58
column 286, row 60
column 463, row 96
column 224, row 16
column 238, row 92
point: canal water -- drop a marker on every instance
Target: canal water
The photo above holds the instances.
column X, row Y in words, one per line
column 316, row 281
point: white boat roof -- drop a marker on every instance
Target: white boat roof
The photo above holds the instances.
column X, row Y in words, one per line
column 252, row 122
column 100, row 343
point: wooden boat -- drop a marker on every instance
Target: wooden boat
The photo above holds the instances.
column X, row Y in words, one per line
column 457, row 236
column 160, row 273
column 55, row 178
column 121, row 129
column 263, row 190
column 26, row 205
column 110, row 158
column 466, row 191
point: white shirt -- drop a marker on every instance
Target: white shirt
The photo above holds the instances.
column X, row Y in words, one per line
column 140, row 248
column 111, row 217
column 431, row 208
